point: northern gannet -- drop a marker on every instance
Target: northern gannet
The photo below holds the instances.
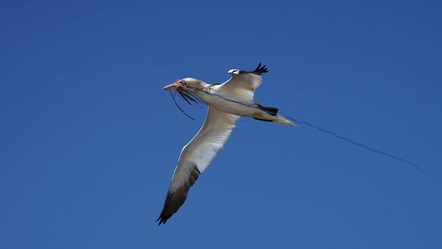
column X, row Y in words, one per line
column 226, row 103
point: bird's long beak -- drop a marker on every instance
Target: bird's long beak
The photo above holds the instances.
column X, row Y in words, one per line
column 172, row 86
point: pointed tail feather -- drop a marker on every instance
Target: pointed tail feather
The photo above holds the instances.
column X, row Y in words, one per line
column 284, row 121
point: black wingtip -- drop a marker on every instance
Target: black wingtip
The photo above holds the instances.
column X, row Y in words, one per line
column 162, row 220
column 175, row 199
column 260, row 69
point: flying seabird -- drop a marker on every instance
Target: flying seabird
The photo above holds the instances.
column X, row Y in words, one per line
column 226, row 103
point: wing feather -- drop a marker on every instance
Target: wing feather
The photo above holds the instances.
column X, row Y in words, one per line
column 195, row 157
column 243, row 83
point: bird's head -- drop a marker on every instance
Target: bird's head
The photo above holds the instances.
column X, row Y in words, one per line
column 188, row 88
column 188, row 84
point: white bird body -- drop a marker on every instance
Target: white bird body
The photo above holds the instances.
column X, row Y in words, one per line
column 227, row 102
column 236, row 104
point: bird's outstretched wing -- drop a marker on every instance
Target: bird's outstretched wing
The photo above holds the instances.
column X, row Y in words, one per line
column 243, row 83
column 195, row 157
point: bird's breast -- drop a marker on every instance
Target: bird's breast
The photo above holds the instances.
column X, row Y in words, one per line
column 228, row 104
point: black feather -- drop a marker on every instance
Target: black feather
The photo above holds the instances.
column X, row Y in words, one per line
column 175, row 199
column 270, row 110
column 260, row 70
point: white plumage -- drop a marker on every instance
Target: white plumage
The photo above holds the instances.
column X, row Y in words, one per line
column 227, row 102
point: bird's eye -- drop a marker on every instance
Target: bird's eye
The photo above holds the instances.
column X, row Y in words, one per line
column 183, row 82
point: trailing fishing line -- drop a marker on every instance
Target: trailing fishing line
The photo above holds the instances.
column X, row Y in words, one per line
column 359, row 144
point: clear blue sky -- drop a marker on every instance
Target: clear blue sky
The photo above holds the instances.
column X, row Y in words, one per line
column 89, row 141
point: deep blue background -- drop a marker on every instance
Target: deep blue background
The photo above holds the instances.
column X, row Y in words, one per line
column 89, row 141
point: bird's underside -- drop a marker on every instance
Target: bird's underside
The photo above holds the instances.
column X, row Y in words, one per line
column 226, row 103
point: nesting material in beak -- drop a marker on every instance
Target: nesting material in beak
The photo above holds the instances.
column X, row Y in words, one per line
column 187, row 94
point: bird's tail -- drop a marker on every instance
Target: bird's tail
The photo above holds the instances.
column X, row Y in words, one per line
column 283, row 120
column 275, row 117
